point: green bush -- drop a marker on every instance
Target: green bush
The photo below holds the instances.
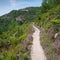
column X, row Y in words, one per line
column 56, row 24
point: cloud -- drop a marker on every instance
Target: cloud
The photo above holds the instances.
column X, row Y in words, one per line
column 13, row 3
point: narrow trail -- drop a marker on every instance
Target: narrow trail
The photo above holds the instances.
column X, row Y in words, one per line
column 37, row 52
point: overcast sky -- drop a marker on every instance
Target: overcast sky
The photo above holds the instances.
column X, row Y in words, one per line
column 8, row 5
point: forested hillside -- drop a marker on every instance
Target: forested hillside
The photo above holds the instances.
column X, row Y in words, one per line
column 16, row 26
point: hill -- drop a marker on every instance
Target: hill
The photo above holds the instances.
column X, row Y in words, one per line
column 16, row 30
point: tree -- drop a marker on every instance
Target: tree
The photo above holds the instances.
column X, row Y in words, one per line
column 47, row 4
column 53, row 3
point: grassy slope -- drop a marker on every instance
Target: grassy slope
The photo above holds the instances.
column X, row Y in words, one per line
column 50, row 20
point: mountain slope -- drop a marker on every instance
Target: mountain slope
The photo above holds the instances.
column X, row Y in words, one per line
column 15, row 32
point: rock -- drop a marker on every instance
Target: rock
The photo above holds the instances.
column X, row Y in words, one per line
column 56, row 34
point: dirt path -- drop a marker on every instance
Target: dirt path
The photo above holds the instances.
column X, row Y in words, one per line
column 37, row 52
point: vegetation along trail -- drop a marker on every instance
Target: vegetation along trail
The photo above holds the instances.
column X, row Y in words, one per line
column 37, row 52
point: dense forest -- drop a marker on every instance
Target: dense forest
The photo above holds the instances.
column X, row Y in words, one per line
column 16, row 25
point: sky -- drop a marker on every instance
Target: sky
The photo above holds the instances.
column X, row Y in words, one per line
column 7, row 5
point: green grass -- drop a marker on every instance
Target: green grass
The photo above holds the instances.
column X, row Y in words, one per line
column 48, row 48
column 22, row 37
